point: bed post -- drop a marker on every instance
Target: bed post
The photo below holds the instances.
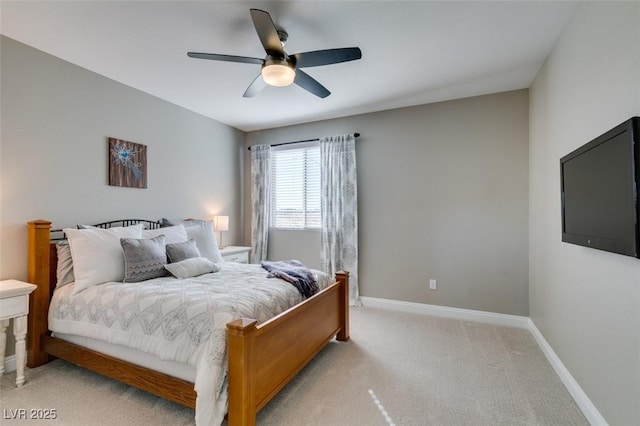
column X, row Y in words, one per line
column 242, row 407
column 38, row 273
column 343, row 334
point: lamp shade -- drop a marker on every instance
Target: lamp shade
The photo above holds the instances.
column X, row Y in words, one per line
column 221, row 223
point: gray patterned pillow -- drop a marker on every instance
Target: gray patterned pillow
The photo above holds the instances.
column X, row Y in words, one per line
column 181, row 251
column 144, row 259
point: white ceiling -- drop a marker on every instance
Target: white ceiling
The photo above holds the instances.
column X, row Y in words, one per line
column 413, row 52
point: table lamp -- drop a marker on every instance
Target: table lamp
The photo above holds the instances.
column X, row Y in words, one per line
column 221, row 223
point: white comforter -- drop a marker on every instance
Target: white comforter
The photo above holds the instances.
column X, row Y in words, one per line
column 178, row 320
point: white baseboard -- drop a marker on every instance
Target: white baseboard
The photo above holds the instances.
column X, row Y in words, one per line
column 10, row 364
column 586, row 406
column 584, row 403
column 447, row 312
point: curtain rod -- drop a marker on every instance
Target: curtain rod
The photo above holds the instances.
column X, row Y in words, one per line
column 306, row 140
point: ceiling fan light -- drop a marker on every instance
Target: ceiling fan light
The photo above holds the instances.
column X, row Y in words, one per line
column 278, row 75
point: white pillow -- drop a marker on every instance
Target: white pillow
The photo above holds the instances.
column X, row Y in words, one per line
column 173, row 234
column 191, row 267
column 205, row 239
column 97, row 254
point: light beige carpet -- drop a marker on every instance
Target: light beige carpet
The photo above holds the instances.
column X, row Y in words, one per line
column 401, row 369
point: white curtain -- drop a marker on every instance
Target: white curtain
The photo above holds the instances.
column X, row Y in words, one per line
column 260, row 201
column 339, row 189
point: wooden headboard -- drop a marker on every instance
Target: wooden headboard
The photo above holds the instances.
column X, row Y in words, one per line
column 148, row 224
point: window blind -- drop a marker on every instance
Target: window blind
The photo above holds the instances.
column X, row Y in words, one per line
column 295, row 187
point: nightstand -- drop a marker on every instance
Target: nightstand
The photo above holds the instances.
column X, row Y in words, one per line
column 14, row 304
column 237, row 254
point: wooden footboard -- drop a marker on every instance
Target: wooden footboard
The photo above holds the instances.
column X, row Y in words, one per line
column 262, row 358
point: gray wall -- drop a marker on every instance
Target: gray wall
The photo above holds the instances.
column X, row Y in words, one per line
column 586, row 302
column 56, row 118
column 442, row 194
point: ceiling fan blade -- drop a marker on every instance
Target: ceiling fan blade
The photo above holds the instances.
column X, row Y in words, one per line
column 310, row 84
column 267, row 32
column 226, row 58
column 326, row 57
column 255, row 87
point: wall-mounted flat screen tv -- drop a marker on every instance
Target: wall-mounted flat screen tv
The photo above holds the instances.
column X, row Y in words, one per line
column 600, row 182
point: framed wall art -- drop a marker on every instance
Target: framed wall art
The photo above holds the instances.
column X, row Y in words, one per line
column 127, row 163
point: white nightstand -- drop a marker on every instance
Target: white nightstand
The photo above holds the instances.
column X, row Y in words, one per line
column 14, row 304
column 237, row 254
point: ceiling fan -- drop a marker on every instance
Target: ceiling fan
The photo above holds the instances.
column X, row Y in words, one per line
column 279, row 68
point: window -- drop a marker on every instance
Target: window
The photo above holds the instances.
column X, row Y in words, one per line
column 295, row 187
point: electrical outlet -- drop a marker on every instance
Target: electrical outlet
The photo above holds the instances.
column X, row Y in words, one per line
column 432, row 284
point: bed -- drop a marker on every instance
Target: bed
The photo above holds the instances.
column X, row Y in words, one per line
column 262, row 355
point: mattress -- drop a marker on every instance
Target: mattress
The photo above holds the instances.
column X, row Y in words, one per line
column 133, row 356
